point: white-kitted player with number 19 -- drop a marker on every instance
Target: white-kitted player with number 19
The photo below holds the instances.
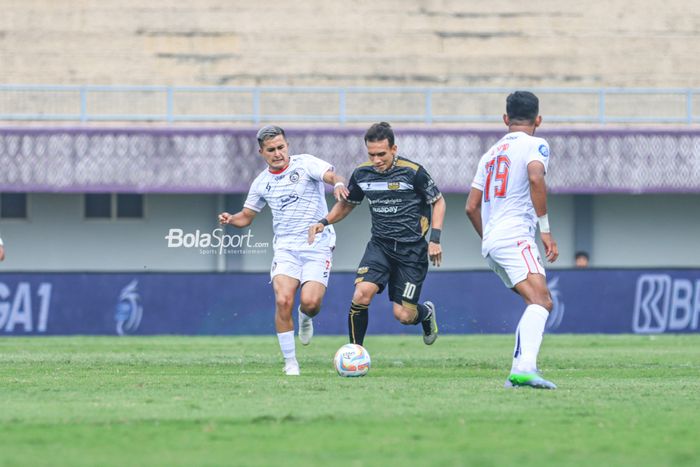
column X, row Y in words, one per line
column 508, row 198
column 293, row 187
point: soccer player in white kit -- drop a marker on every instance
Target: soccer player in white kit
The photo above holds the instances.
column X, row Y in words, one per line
column 293, row 186
column 507, row 200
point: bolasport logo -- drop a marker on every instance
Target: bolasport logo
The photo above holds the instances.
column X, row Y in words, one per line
column 216, row 242
column 666, row 304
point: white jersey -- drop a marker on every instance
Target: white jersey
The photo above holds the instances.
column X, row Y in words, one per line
column 297, row 200
column 506, row 208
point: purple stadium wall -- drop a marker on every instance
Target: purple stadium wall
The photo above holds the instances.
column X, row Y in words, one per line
column 226, row 160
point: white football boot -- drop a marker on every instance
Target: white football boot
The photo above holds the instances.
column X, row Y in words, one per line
column 306, row 328
column 291, row 367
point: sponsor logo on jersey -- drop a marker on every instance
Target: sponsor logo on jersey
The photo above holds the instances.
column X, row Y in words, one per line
column 662, row 304
column 544, row 150
column 384, row 201
column 385, row 209
column 289, row 199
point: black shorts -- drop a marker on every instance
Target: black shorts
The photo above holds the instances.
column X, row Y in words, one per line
column 402, row 265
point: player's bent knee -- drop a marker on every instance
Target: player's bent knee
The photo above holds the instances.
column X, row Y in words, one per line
column 361, row 297
column 404, row 316
column 284, row 302
column 310, row 306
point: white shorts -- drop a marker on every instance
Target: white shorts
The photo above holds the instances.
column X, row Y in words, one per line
column 513, row 260
column 303, row 265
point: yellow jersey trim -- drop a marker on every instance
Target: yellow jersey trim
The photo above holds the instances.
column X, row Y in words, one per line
column 403, row 163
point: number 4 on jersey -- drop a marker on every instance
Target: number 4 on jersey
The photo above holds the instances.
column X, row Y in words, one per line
column 498, row 167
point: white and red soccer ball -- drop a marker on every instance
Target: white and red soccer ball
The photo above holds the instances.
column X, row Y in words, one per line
column 352, row 360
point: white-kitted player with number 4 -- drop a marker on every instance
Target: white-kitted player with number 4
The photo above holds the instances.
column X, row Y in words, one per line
column 293, row 187
column 508, row 198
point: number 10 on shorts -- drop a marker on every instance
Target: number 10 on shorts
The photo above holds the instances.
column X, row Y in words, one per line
column 409, row 291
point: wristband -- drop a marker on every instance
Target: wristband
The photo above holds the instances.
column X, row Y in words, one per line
column 338, row 184
column 435, row 235
column 323, row 221
column 544, row 223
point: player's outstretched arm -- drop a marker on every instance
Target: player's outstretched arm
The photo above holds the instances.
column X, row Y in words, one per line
column 538, row 194
column 339, row 211
column 241, row 219
column 473, row 210
column 340, row 190
column 434, row 247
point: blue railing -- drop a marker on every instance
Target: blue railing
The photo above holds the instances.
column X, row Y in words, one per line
column 251, row 104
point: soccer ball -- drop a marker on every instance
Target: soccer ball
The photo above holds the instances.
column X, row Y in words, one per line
column 352, row 360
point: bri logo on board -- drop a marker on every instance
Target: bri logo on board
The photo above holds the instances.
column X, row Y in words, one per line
column 662, row 303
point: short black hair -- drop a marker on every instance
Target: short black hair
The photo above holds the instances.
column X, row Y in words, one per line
column 522, row 106
column 269, row 132
column 379, row 132
column 581, row 254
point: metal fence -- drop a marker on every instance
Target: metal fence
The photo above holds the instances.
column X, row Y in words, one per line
column 338, row 105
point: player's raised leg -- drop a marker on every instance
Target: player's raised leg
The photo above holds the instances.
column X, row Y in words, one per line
column 423, row 313
column 530, row 331
column 405, row 287
column 312, row 293
column 285, row 288
column 315, row 271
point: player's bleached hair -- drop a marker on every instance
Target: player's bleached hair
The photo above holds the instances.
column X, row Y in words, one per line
column 522, row 106
column 269, row 132
column 379, row 132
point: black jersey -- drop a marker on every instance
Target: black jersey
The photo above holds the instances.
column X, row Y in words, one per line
column 399, row 198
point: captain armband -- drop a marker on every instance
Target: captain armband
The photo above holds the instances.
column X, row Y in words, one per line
column 544, row 223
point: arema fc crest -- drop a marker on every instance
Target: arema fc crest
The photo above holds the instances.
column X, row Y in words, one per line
column 128, row 310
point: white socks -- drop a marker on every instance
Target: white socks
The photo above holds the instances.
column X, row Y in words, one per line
column 528, row 338
column 516, row 350
column 286, row 340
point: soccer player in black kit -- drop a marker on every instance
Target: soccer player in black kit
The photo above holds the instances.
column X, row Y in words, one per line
column 400, row 195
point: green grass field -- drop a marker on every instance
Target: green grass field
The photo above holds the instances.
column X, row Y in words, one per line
column 622, row 400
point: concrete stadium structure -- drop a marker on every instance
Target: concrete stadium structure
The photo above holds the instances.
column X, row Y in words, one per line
column 612, row 43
